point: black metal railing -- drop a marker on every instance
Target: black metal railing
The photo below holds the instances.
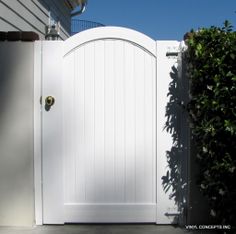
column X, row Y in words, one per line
column 81, row 25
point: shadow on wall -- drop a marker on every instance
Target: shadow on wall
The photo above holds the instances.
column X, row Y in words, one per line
column 16, row 134
column 175, row 180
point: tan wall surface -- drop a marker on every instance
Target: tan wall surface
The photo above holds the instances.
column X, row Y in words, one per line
column 16, row 134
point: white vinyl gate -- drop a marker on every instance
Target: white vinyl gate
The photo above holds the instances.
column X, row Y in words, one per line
column 99, row 129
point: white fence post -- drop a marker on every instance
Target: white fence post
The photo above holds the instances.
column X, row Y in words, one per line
column 167, row 210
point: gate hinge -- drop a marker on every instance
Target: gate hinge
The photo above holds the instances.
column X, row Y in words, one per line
column 172, row 52
column 172, row 214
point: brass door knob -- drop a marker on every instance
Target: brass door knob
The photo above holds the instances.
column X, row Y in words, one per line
column 49, row 101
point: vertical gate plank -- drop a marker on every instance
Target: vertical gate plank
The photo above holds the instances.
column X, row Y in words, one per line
column 139, row 126
column 155, row 166
column 149, row 129
column 79, row 129
column 68, row 126
column 109, row 121
column 130, row 156
column 89, row 122
column 119, row 122
column 99, row 121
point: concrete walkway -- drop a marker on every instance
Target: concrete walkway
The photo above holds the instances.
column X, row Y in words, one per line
column 101, row 229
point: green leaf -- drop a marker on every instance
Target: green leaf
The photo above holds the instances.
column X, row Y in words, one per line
column 232, row 56
column 229, row 74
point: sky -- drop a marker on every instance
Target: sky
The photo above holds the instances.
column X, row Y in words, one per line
column 161, row 19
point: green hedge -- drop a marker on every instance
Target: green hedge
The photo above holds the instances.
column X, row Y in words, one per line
column 211, row 68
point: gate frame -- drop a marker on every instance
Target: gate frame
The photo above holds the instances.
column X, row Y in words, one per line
column 163, row 139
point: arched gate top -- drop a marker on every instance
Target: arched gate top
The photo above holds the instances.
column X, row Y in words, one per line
column 119, row 33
